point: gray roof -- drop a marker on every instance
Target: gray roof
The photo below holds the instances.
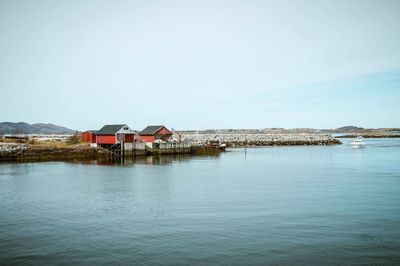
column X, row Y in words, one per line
column 150, row 130
column 109, row 129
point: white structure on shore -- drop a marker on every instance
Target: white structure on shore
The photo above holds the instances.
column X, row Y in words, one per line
column 260, row 138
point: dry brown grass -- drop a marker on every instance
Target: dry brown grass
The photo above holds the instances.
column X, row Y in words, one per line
column 74, row 139
column 58, row 144
column 46, row 143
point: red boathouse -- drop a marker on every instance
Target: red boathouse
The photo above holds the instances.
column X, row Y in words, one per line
column 152, row 133
column 89, row 136
column 115, row 134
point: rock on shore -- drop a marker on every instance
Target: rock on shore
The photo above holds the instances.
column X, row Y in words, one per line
column 7, row 149
column 240, row 140
column 24, row 152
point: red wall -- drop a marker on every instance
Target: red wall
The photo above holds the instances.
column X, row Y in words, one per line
column 88, row 137
column 129, row 137
column 163, row 131
column 106, row 139
column 85, row 136
column 147, row 138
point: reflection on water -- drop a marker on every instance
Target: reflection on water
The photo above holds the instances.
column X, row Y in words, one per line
column 156, row 159
column 14, row 169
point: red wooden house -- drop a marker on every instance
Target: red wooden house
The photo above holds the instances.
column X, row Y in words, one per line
column 114, row 134
column 152, row 133
column 89, row 136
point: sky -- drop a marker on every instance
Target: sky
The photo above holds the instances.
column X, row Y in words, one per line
column 200, row 64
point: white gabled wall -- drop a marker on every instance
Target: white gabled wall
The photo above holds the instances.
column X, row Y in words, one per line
column 125, row 130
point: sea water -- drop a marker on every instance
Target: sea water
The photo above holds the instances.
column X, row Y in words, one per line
column 303, row 205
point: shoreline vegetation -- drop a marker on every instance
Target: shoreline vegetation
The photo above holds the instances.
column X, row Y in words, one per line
column 31, row 150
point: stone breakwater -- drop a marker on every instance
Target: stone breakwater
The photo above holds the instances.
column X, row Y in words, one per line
column 7, row 149
column 242, row 140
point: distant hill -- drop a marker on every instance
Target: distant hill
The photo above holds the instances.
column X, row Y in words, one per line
column 349, row 128
column 39, row 128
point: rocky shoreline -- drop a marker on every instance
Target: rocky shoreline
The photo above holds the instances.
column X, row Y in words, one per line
column 14, row 152
column 243, row 140
column 203, row 144
column 19, row 152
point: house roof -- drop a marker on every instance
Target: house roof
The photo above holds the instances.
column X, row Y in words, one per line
column 90, row 131
column 109, row 129
column 150, row 130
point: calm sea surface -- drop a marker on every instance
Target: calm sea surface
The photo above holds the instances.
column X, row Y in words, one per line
column 277, row 205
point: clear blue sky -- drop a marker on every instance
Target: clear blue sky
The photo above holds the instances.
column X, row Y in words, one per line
column 201, row 64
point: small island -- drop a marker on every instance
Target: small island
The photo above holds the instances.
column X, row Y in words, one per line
column 55, row 143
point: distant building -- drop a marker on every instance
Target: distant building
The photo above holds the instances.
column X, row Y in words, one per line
column 89, row 136
column 152, row 133
column 114, row 134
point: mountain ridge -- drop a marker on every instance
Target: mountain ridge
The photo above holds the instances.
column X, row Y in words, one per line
column 36, row 128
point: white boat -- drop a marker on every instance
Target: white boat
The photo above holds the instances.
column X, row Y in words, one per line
column 358, row 142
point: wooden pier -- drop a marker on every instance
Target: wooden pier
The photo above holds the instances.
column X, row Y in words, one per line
column 149, row 148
